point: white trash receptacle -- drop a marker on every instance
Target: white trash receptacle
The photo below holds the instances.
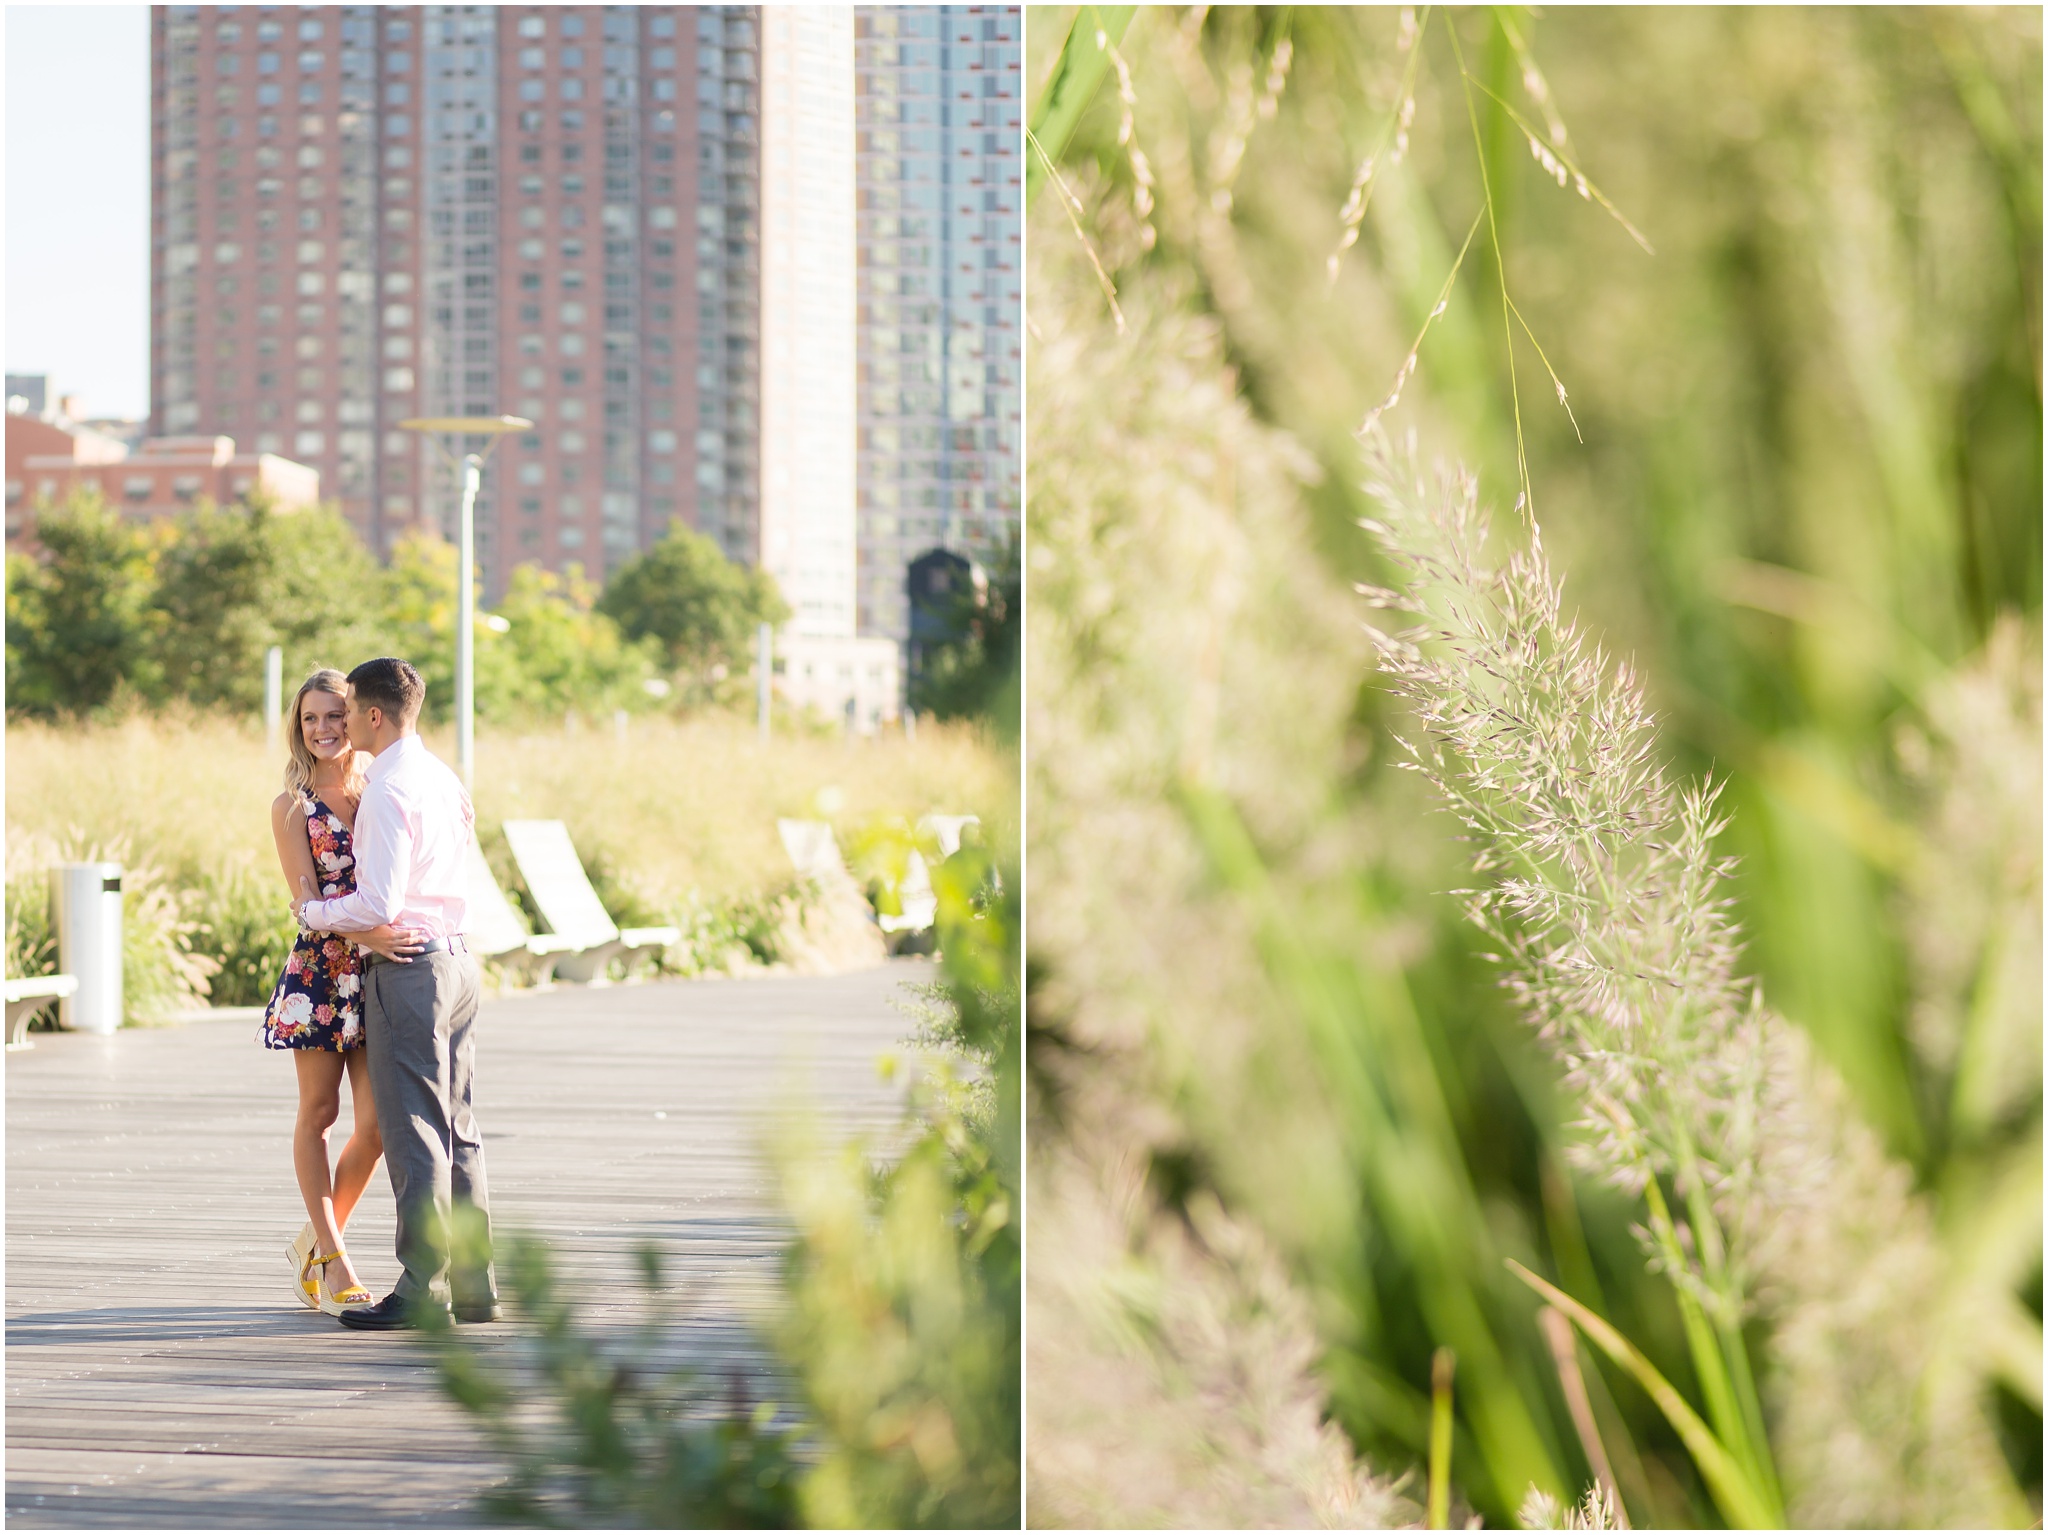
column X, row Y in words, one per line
column 86, row 910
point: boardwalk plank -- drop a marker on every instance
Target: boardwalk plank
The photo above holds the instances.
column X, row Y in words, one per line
column 159, row 1374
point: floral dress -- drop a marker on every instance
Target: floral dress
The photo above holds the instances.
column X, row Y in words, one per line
column 318, row 1003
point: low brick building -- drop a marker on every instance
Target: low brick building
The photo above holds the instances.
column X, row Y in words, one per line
column 48, row 460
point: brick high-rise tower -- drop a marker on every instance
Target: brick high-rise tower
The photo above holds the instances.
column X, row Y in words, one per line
column 366, row 213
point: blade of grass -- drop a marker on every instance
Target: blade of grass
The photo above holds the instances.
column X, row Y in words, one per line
column 1705, row 1345
column 1593, row 192
column 1070, row 205
column 1501, row 270
column 1441, row 1369
column 1367, row 1033
column 1557, row 1331
column 1737, row 1496
column 1073, row 84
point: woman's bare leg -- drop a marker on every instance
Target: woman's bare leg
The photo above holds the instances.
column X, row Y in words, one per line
column 330, row 1196
column 365, row 1146
column 319, row 1106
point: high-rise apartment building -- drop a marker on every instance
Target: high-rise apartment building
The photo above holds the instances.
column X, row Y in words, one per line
column 367, row 213
column 941, row 295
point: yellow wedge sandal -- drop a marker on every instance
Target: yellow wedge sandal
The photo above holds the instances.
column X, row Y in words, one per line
column 331, row 1301
column 304, row 1285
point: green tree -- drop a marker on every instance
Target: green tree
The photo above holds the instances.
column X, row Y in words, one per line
column 976, row 674
column 701, row 608
column 235, row 580
column 416, row 621
column 80, row 621
column 564, row 653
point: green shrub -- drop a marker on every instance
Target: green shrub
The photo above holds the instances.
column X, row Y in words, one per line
column 162, row 973
column 245, row 926
column 31, row 940
column 743, row 927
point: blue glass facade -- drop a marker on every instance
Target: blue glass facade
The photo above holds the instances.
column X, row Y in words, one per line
column 940, row 230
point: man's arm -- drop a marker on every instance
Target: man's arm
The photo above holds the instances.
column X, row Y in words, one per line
column 383, row 852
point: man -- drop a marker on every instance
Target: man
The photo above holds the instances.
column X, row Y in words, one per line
column 419, row 1015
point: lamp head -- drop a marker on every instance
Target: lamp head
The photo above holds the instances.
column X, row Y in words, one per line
column 467, row 426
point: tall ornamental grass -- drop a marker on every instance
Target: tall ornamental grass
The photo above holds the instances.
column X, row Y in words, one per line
column 675, row 822
column 1748, row 302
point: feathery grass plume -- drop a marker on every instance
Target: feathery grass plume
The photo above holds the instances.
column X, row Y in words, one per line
column 1184, row 1357
column 1972, row 893
column 1604, row 895
column 1540, row 1511
column 1352, row 214
column 1172, row 1346
column 1127, row 139
column 1244, row 111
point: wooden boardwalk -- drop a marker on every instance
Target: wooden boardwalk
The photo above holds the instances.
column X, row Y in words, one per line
column 159, row 1373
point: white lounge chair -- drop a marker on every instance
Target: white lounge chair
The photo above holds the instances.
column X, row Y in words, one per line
column 29, row 995
column 915, row 895
column 815, row 851
column 949, row 829
column 495, row 929
column 812, row 848
column 554, row 874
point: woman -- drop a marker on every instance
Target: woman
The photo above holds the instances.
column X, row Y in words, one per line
column 316, row 1010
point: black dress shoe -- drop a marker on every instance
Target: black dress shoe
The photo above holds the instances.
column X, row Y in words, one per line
column 392, row 1313
column 477, row 1311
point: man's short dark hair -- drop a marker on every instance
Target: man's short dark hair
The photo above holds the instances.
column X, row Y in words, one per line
column 389, row 684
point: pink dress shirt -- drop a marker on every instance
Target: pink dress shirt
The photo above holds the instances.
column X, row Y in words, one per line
column 411, row 847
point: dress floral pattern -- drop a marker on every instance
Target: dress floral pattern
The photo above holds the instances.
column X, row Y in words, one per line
column 318, row 1003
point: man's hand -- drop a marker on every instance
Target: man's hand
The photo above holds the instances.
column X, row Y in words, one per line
column 306, row 893
column 393, row 942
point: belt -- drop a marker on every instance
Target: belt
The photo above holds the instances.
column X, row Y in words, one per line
column 449, row 945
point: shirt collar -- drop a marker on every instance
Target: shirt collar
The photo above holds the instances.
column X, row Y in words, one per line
column 382, row 764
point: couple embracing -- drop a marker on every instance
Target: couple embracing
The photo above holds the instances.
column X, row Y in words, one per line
column 373, row 833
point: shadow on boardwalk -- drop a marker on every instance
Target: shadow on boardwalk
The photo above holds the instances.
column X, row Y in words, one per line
column 159, row 1372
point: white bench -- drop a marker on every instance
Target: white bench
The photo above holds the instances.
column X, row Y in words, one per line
column 948, row 830
column 494, row 928
column 554, row 875
column 814, row 850
column 29, row 995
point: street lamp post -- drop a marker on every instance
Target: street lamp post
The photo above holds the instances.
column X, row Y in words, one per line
column 472, row 466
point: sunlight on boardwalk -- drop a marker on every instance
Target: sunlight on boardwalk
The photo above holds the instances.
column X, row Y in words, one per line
column 160, row 1373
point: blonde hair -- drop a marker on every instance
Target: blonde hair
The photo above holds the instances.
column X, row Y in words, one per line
column 300, row 763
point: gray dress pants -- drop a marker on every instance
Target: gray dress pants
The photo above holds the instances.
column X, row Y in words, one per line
column 419, row 1023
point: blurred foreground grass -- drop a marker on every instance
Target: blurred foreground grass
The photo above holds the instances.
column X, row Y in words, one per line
column 1278, row 1094
column 898, row 1324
